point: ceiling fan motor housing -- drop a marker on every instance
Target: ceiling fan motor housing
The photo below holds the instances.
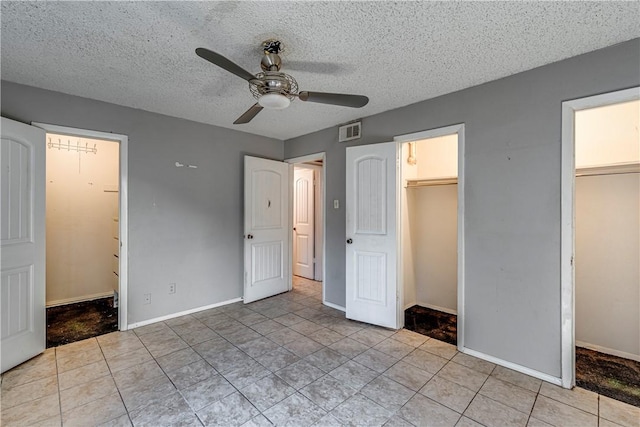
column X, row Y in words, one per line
column 273, row 82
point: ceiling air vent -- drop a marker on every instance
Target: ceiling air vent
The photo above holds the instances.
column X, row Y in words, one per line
column 349, row 132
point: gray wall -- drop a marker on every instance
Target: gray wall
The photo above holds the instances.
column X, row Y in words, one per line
column 512, row 197
column 608, row 262
column 185, row 225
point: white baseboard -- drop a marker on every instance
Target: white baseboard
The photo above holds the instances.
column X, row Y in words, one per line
column 438, row 308
column 610, row 351
column 522, row 369
column 332, row 305
column 182, row 313
column 79, row 299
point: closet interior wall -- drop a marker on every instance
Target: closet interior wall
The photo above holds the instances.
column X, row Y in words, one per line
column 607, row 224
column 81, row 215
column 429, row 223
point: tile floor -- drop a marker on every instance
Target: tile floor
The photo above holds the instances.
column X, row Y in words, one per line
column 287, row 360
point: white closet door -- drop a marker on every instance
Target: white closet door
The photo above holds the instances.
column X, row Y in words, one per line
column 371, row 270
column 266, row 218
column 303, row 223
column 22, row 239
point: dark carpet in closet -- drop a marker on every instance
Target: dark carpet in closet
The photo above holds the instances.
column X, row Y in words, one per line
column 608, row 375
column 79, row 321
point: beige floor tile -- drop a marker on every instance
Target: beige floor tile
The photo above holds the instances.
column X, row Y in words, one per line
column 474, row 363
column 409, row 337
column 359, row 410
column 325, row 336
column 278, row 359
column 31, row 412
column 467, row 422
column 303, row 347
column 395, row 421
column 408, row 375
column 300, row 374
column 534, row 422
column 349, row 347
column 191, row 374
column 246, row 375
column 232, row 410
column 394, row 348
column 619, row 412
column 75, row 348
column 178, row 359
column 121, row 421
column 425, row 360
column 96, row 412
column 326, row 359
column 146, row 391
column 491, row 413
column 83, row 374
column 150, row 329
column 463, row 376
column 87, row 392
column 439, row 348
column 513, row 377
column 172, row 411
column 422, row 411
column 132, row 376
column 353, row 374
column 116, row 347
column 266, row 392
column 27, row 392
column 387, row 393
column 448, row 393
column 39, row 367
column 369, row 337
column 55, row 421
column 375, row 360
column 509, row 394
column 577, row 397
column 559, row 414
column 78, row 359
column 207, row 392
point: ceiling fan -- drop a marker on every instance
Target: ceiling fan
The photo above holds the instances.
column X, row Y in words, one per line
column 272, row 88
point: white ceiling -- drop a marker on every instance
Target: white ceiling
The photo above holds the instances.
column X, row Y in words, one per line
column 141, row 54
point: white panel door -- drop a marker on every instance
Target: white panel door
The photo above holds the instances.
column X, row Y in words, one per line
column 266, row 228
column 22, row 238
column 371, row 244
column 303, row 223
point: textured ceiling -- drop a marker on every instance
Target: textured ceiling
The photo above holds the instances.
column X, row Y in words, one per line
column 141, row 54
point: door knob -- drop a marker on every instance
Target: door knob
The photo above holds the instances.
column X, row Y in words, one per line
column 349, row 241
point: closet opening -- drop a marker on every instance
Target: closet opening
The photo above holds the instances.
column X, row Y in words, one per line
column 429, row 226
column 82, row 237
column 607, row 250
column 307, row 235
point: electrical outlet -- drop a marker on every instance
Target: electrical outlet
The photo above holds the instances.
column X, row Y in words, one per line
column 147, row 299
column 172, row 288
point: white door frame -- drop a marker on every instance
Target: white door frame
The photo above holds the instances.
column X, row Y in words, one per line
column 123, row 219
column 567, row 221
column 302, row 159
column 434, row 133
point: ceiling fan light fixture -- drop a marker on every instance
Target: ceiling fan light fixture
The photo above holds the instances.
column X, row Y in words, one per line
column 274, row 101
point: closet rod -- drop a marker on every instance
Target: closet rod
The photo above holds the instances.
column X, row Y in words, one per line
column 414, row 183
column 619, row 169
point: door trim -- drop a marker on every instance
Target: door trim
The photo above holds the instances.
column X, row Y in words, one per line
column 567, row 221
column 458, row 129
column 123, row 219
column 292, row 161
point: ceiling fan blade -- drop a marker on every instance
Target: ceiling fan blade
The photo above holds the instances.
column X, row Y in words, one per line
column 249, row 114
column 222, row 62
column 354, row 101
